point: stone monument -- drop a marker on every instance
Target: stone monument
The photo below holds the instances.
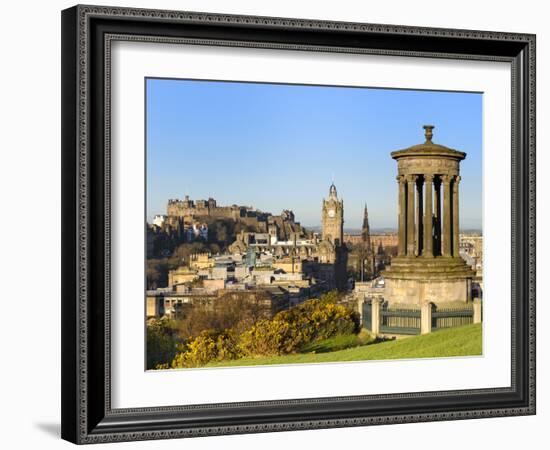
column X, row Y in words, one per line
column 428, row 267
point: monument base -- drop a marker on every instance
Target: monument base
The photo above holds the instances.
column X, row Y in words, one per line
column 412, row 280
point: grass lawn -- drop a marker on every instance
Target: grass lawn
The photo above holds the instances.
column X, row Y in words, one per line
column 459, row 341
column 335, row 343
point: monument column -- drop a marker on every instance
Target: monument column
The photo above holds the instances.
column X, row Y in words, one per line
column 455, row 217
column 411, row 181
column 428, row 237
column 437, row 191
column 418, row 216
column 446, row 215
column 402, row 239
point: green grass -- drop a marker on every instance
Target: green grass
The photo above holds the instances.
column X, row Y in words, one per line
column 333, row 344
column 459, row 341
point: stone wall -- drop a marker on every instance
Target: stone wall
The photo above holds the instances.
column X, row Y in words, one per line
column 420, row 291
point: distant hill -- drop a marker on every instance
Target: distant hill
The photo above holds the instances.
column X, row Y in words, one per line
column 475, row 231
column 388, row 230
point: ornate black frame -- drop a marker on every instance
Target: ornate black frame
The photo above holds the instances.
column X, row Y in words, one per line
column 87, row 416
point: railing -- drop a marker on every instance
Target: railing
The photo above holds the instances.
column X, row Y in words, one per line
column 452, row 317
column 379, row 318
column 399, row 320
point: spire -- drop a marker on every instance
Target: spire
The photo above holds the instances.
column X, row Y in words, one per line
column 332, row 191
column 365, row 232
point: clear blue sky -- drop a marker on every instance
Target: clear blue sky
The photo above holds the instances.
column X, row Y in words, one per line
column 278, row 147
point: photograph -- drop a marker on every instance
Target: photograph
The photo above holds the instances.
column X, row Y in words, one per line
column 310, row 224
column 277, row 222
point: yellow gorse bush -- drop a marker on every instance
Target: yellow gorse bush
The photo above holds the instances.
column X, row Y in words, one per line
column 208, row 346
column 287, row 332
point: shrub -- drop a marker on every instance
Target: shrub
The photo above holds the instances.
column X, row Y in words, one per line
column 227, row 346
column 288, row 332
column 318, row 319
column 330, row 297
column 267, row 337
column 208, row 346
column 292, row 329
column 200, row 351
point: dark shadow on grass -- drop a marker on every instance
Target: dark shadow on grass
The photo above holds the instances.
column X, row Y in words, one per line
column 334, row 344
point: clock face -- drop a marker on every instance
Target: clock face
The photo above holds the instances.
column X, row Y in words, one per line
column 331, row 213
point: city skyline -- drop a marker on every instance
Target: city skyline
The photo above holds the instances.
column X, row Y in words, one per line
column 276, row 147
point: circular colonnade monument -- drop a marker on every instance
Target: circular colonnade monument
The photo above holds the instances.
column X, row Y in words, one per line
column 428, row 267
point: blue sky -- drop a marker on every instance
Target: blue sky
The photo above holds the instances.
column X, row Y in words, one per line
column 278, row 147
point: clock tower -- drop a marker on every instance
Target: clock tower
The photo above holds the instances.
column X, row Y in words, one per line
column 333, row 218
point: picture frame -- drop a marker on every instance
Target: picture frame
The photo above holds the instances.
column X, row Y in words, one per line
column 87, row 412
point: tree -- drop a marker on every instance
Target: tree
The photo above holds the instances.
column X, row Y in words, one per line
column 157, row 271
column 161, row 342
column 233, row 310
column 221, row 232
column 362, row 257
column 183, row 252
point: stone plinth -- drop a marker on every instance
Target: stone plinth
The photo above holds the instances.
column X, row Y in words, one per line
column 417, row 280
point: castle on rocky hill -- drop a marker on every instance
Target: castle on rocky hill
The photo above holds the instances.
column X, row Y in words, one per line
column 209, row 208
column 282, row 226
